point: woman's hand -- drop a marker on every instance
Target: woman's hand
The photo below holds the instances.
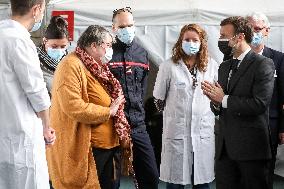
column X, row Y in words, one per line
column 115, row 105
column 125, row 143
column 49, row 136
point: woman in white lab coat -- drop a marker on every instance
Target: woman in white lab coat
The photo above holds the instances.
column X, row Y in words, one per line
column 188, row 142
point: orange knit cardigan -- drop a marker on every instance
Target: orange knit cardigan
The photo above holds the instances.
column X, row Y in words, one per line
column 70, row 161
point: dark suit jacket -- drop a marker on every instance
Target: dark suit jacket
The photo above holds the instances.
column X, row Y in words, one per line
column 277, row 100
column 244, row 123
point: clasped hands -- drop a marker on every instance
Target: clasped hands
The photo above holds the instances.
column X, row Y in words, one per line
column 213, row 91
column 49, row 136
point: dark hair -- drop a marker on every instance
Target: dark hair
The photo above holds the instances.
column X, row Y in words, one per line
column 57, row 28
column 93, row 34
column 118, row 11
column 241, row 25
column 22, row 7
column 202, row 55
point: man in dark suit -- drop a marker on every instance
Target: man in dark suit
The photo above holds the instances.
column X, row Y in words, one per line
column 261, row 27
column 241, row 98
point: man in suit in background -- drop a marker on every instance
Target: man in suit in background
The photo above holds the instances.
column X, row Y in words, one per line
column 261, row 27
column 241, row 98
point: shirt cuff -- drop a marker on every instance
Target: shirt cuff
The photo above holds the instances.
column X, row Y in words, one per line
column 39, row 100
column 216, row 107
column 224, row 101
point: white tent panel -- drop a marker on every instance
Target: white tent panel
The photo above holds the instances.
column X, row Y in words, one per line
column 166, row 12
column 4, row 11
column 158, row 22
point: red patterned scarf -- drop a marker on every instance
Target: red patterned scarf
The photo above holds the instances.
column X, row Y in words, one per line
column 113, row 87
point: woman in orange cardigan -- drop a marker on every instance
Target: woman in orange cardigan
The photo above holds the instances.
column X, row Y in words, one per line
column 87, row 114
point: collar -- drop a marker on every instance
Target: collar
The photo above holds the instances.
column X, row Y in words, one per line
column 261, row 52
column 18, row 26
column 242, row 56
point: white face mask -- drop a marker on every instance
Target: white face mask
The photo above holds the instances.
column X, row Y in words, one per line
column 108, row 55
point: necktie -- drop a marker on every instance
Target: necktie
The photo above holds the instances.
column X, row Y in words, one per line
column 234, row 65
column 234, row 69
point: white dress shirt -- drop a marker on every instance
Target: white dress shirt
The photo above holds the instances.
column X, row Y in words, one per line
column 240, row 58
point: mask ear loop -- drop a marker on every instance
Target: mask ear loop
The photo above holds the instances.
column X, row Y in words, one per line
column 232, row 52
column 235, row 43
column 231, row 39
column 35, row 15
column 66, row 51
column 44, row 41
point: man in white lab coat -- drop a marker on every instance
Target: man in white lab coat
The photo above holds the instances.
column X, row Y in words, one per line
column 24, row 101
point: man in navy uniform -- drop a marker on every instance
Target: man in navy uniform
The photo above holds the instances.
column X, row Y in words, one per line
column 130, row 66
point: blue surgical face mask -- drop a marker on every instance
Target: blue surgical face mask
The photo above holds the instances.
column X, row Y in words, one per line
column 56, row 54
column 257, row 39
column 36, row 26
column 126, row 35
column 190, row 48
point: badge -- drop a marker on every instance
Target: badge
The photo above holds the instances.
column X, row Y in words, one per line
column 275, row 74
column 128, row 70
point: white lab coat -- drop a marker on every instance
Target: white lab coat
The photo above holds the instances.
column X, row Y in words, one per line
column 188, row 124
column 279, row 165
column 22, row 93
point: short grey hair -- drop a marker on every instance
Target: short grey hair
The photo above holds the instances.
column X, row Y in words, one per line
column 93, row 34
column 259, row 16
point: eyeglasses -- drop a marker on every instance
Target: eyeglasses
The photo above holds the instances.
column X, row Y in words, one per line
column 258, row 29
column 108, row 45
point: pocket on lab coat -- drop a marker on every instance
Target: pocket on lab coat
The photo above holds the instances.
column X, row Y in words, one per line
column 173, row 158
column 207, row 126
column 175, row 130
column 22, row 152
column 181, row 90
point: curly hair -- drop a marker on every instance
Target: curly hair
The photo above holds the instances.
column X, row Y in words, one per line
column 118, row 11
column 202, row 55
column 241, row 25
